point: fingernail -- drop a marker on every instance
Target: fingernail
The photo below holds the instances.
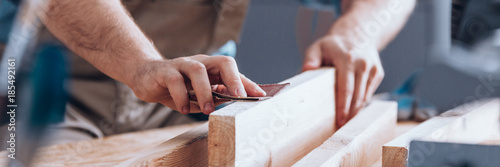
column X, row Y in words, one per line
column 209, row 107
column 241, row 92
column 259, row 90
column 185, row 110
column 312, row 64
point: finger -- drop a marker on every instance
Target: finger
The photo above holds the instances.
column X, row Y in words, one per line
column 220, row 89
column 197, row 73
column 193, row 108
column 215, row 79
column 178, row 92
column 358, row 97
column 229, row 74
column 312, row 59
column 374, row 80
column 252, row 88
column 344, row 90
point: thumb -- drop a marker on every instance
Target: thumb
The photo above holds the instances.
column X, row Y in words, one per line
column 312, row 59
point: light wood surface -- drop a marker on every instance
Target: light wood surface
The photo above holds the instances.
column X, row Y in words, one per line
column 401, row 128
column 278, row 131
column 472, row 123
column 108, row 151
column 187, row 149
column 93, row 158
column 359, row 142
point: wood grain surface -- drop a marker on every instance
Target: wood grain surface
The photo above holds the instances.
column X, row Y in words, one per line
column 278, row 131
column 359, row 142
column 107, row 151
column 472, row 123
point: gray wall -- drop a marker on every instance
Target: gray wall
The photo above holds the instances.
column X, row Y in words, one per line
column 268, row 50
column 268, row 53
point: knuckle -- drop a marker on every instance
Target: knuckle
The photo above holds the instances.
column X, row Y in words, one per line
column 349, row 58
column 200, row 55
column 227, row 60
column 362, row 65
column 182, row 59
column 329, row 40
column 197, row 66
column 172, row 78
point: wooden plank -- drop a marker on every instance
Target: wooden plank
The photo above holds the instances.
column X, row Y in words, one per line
column 471, row 123
column 278, row 131
column 107, row 151
column 187, row 149
column 359, row 142
column 401, row 128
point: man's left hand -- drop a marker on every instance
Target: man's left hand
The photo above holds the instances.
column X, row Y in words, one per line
column 358, row 72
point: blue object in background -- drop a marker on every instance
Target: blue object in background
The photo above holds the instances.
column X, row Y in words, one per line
column 7, row 12
column 331, row 5
column 48, row 80
column 228, row 49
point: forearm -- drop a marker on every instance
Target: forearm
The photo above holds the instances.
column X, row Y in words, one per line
column 371, row 22
column 101, row 32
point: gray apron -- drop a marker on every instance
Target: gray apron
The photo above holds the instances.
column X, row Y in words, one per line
column 100, row 106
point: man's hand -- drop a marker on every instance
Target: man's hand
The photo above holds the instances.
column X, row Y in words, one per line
column 118, row 48
column 358, row 73
column 168, row 82
column 352, row 46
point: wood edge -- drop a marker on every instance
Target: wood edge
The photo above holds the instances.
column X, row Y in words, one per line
column 221, row 126
column 384, row 116
column 158, row 153
column 395, row 152
column 394, row 156
column 437, row 120
column 308, row 76
column 387, row 122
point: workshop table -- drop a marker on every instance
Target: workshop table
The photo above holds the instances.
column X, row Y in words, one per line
column 112, row 150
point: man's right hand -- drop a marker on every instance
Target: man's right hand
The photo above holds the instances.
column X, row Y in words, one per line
column 168, row 81
column 118, row 48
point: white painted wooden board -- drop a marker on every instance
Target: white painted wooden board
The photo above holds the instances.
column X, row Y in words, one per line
column 472, row 123
column 278, row 131
column 359, row 142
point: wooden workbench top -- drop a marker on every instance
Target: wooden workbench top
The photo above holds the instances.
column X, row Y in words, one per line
column 112, row 150
column 107, row 151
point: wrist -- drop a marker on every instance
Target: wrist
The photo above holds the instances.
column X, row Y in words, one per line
column 137, row 71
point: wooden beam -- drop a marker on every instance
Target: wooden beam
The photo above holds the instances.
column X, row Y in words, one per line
column 471, row 123
column 187, row 149
column 278, row 131
column 359, row 142
column 108, row 151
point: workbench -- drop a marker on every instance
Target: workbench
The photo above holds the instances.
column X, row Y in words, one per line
column 113, row 150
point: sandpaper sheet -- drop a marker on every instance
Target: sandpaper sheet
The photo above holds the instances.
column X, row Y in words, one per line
column 270, row 89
